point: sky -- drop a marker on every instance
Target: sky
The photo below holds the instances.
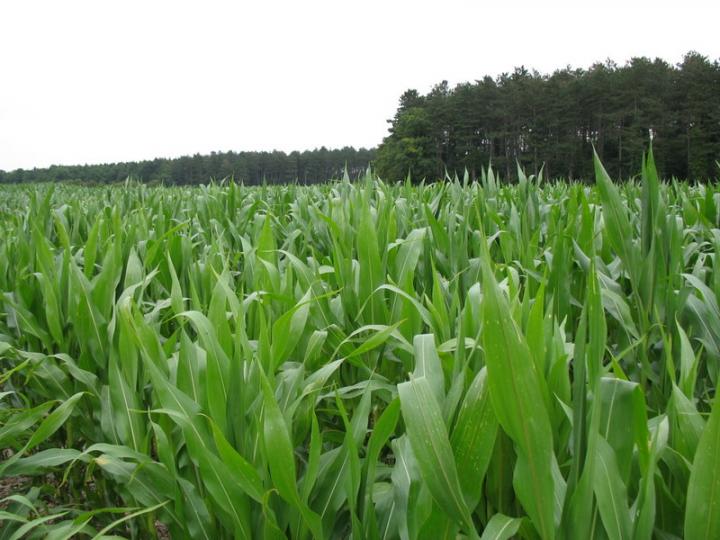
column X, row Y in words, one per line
column 106, row 81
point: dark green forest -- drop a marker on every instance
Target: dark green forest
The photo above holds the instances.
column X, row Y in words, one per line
column 251, row 168
column 539, row 121
column 555, row 120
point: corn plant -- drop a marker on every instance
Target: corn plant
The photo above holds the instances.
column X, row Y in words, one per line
column 367, row 360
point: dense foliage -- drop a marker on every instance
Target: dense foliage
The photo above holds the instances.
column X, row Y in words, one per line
column 250, row 168
column 365, row 360
column 554, row 120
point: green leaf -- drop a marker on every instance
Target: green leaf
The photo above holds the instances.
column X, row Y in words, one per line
column 611, row 493
column 473, row 438
column 517, row 399
column 243, row 472
column 702, row 514
column 427, row 365
column 429, row 438
column 372, row 274
column 501, row 527
column 379, row 437
column 280, row 457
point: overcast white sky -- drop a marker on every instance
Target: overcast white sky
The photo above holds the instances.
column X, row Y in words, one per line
column 99, row 81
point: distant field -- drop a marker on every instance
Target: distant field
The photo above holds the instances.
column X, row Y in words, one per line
column 362, row 360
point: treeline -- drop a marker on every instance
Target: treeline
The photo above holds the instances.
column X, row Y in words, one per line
column 252, row 168
column 536, row 120
column 554, row 120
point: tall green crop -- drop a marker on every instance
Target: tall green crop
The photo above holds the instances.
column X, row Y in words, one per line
column 363, row 359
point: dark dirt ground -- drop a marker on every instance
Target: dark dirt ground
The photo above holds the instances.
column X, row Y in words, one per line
column 10, row 486
column 19, row 484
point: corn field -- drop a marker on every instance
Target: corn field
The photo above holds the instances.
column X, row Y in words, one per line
column 361, row 359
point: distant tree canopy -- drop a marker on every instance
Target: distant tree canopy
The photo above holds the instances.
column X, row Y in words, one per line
column 554, row 120
column 535, row 120
column 306, row 167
